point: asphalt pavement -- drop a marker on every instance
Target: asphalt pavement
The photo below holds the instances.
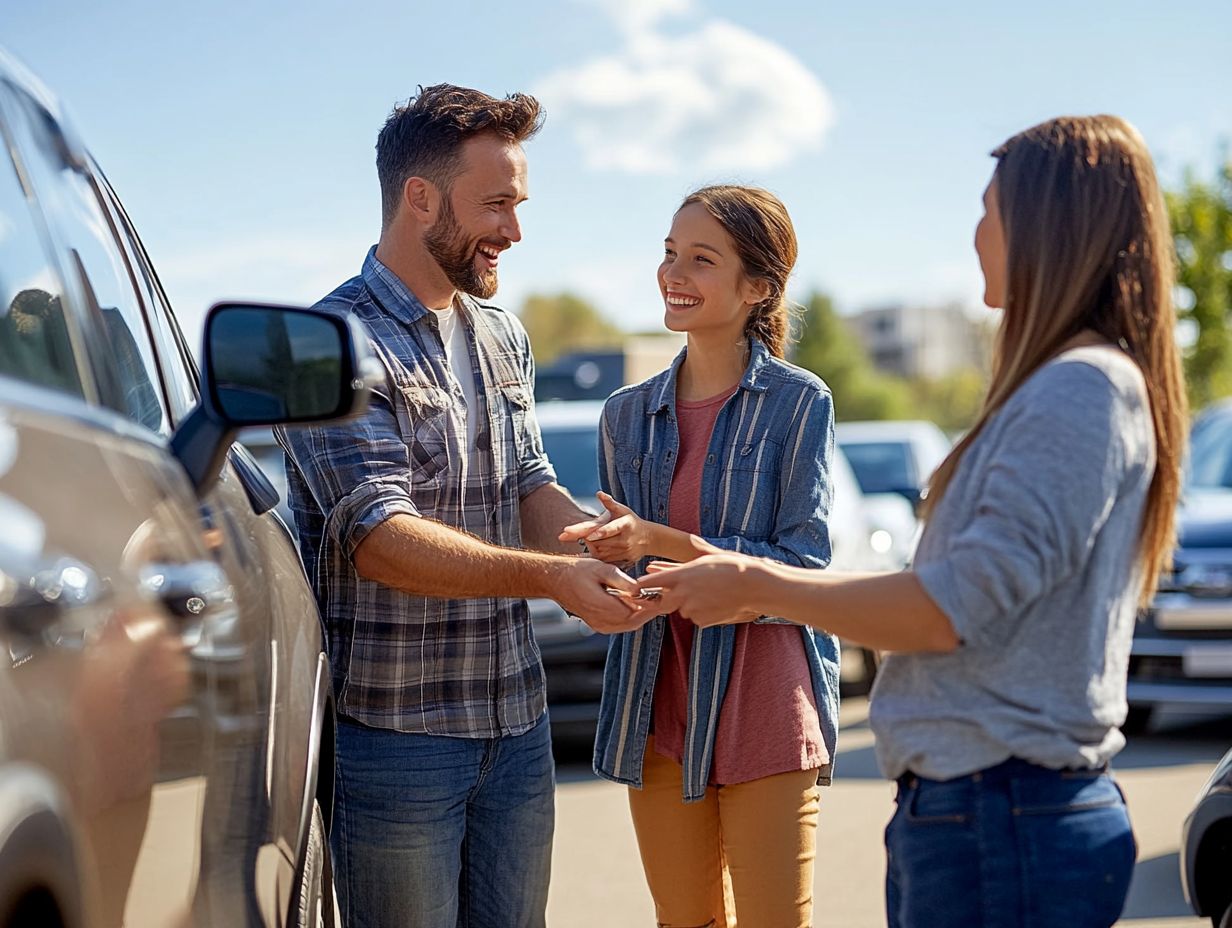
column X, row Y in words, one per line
column 597, row 878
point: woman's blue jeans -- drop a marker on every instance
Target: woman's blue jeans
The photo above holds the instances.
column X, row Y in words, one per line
column 1013, row 846
column 437, row 832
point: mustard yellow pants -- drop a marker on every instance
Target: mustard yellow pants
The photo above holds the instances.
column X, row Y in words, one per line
column 742, row 856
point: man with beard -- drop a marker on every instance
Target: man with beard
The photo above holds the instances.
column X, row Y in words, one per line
column 412, row 522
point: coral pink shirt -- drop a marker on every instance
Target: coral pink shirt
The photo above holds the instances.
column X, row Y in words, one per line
column 768, row 722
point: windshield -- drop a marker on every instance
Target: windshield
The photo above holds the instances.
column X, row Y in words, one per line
column 574, row 453
column 1210, row 454
column 881, row 467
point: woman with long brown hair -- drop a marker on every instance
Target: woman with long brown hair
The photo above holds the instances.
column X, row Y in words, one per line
column 1047, row 527
column 723, row 734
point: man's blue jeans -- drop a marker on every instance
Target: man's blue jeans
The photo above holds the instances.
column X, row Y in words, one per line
column 1013, row 846
column 438, row 832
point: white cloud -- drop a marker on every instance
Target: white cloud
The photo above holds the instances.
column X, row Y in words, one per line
column 717, row 99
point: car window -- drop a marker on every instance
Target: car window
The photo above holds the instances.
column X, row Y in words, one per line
column 1210, row 454
column 881, row 467
column 179, row 375
column 126, row 369
column 35, row 342
column 574, row 454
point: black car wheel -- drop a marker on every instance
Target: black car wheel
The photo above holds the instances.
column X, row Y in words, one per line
column 317, row 903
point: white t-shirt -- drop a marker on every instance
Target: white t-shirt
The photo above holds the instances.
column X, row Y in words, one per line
column 453, row 336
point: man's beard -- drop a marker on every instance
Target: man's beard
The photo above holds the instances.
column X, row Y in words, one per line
column 447, row 244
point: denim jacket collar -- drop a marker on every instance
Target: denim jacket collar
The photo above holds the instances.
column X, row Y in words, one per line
column 753, row 379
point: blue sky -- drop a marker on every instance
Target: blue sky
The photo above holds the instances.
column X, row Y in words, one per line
column 240, row 135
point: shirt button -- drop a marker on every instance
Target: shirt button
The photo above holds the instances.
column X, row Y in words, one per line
column 660, row 510
column 710, row 459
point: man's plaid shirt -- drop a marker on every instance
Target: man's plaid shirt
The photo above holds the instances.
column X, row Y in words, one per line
column 463, row 667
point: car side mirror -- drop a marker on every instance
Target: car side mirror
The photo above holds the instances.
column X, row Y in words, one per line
column 271, row 365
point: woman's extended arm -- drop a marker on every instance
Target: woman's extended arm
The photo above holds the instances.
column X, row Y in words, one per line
column 890, row 612
column 626, row 539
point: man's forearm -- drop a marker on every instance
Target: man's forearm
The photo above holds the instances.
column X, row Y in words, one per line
column 427, row 558
column 546, row 511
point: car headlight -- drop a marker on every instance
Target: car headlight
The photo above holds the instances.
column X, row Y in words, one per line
column 881, row 541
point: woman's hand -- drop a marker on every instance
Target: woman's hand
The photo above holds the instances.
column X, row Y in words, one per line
column 579, row 530
column 618, row 537
column 718, row 589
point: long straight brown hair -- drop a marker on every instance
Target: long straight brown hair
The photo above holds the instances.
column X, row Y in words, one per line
column 1088, row 248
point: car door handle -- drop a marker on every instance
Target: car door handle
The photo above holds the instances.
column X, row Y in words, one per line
column 50, row 603
column 197, row 594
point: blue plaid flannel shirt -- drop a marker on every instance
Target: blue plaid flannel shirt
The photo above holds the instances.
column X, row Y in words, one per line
column 460, row 667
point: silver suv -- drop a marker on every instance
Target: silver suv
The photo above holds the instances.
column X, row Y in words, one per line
column 165, row 713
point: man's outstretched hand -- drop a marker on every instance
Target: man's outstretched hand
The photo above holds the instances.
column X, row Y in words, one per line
column 584, row 589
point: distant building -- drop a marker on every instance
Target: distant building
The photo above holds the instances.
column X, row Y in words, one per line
column 596, row 374
column 919, row 341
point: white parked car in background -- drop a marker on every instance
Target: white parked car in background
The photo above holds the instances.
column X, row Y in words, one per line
column 893, row 461
column 893, row 456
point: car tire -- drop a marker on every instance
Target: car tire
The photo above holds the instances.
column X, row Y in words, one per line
column 318, row 904
column 1137, row 719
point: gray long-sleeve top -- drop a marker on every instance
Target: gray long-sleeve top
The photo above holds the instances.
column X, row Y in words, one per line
column 1032, row 554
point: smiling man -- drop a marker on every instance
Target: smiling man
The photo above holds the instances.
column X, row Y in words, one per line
column 412, row 523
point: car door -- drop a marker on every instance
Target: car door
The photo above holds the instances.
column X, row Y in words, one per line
column 116, row 512
column 268, row 672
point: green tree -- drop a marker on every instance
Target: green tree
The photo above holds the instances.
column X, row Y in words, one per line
column 952, row 401
column 1201, row 217
column 826, row 346
column 562, row 322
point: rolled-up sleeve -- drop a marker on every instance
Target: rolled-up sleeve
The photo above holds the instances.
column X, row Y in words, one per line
column 534, row 468
column 358, row 471
column 1047, row 489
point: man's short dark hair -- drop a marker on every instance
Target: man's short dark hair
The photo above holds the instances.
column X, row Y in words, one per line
column 424, row 138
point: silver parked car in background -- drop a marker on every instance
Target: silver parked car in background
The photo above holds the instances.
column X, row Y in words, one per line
column 165, row 709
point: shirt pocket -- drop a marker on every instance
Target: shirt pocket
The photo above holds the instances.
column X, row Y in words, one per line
column 516, row 403
column 751, row 495
column 632, row 467
column 424, row 423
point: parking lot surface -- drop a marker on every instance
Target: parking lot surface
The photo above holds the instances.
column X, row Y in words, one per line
column 597, row 878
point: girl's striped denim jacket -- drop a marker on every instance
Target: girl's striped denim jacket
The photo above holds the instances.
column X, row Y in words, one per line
column 765, row 492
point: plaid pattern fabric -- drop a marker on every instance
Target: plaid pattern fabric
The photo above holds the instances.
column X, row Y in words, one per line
column 466, row 668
